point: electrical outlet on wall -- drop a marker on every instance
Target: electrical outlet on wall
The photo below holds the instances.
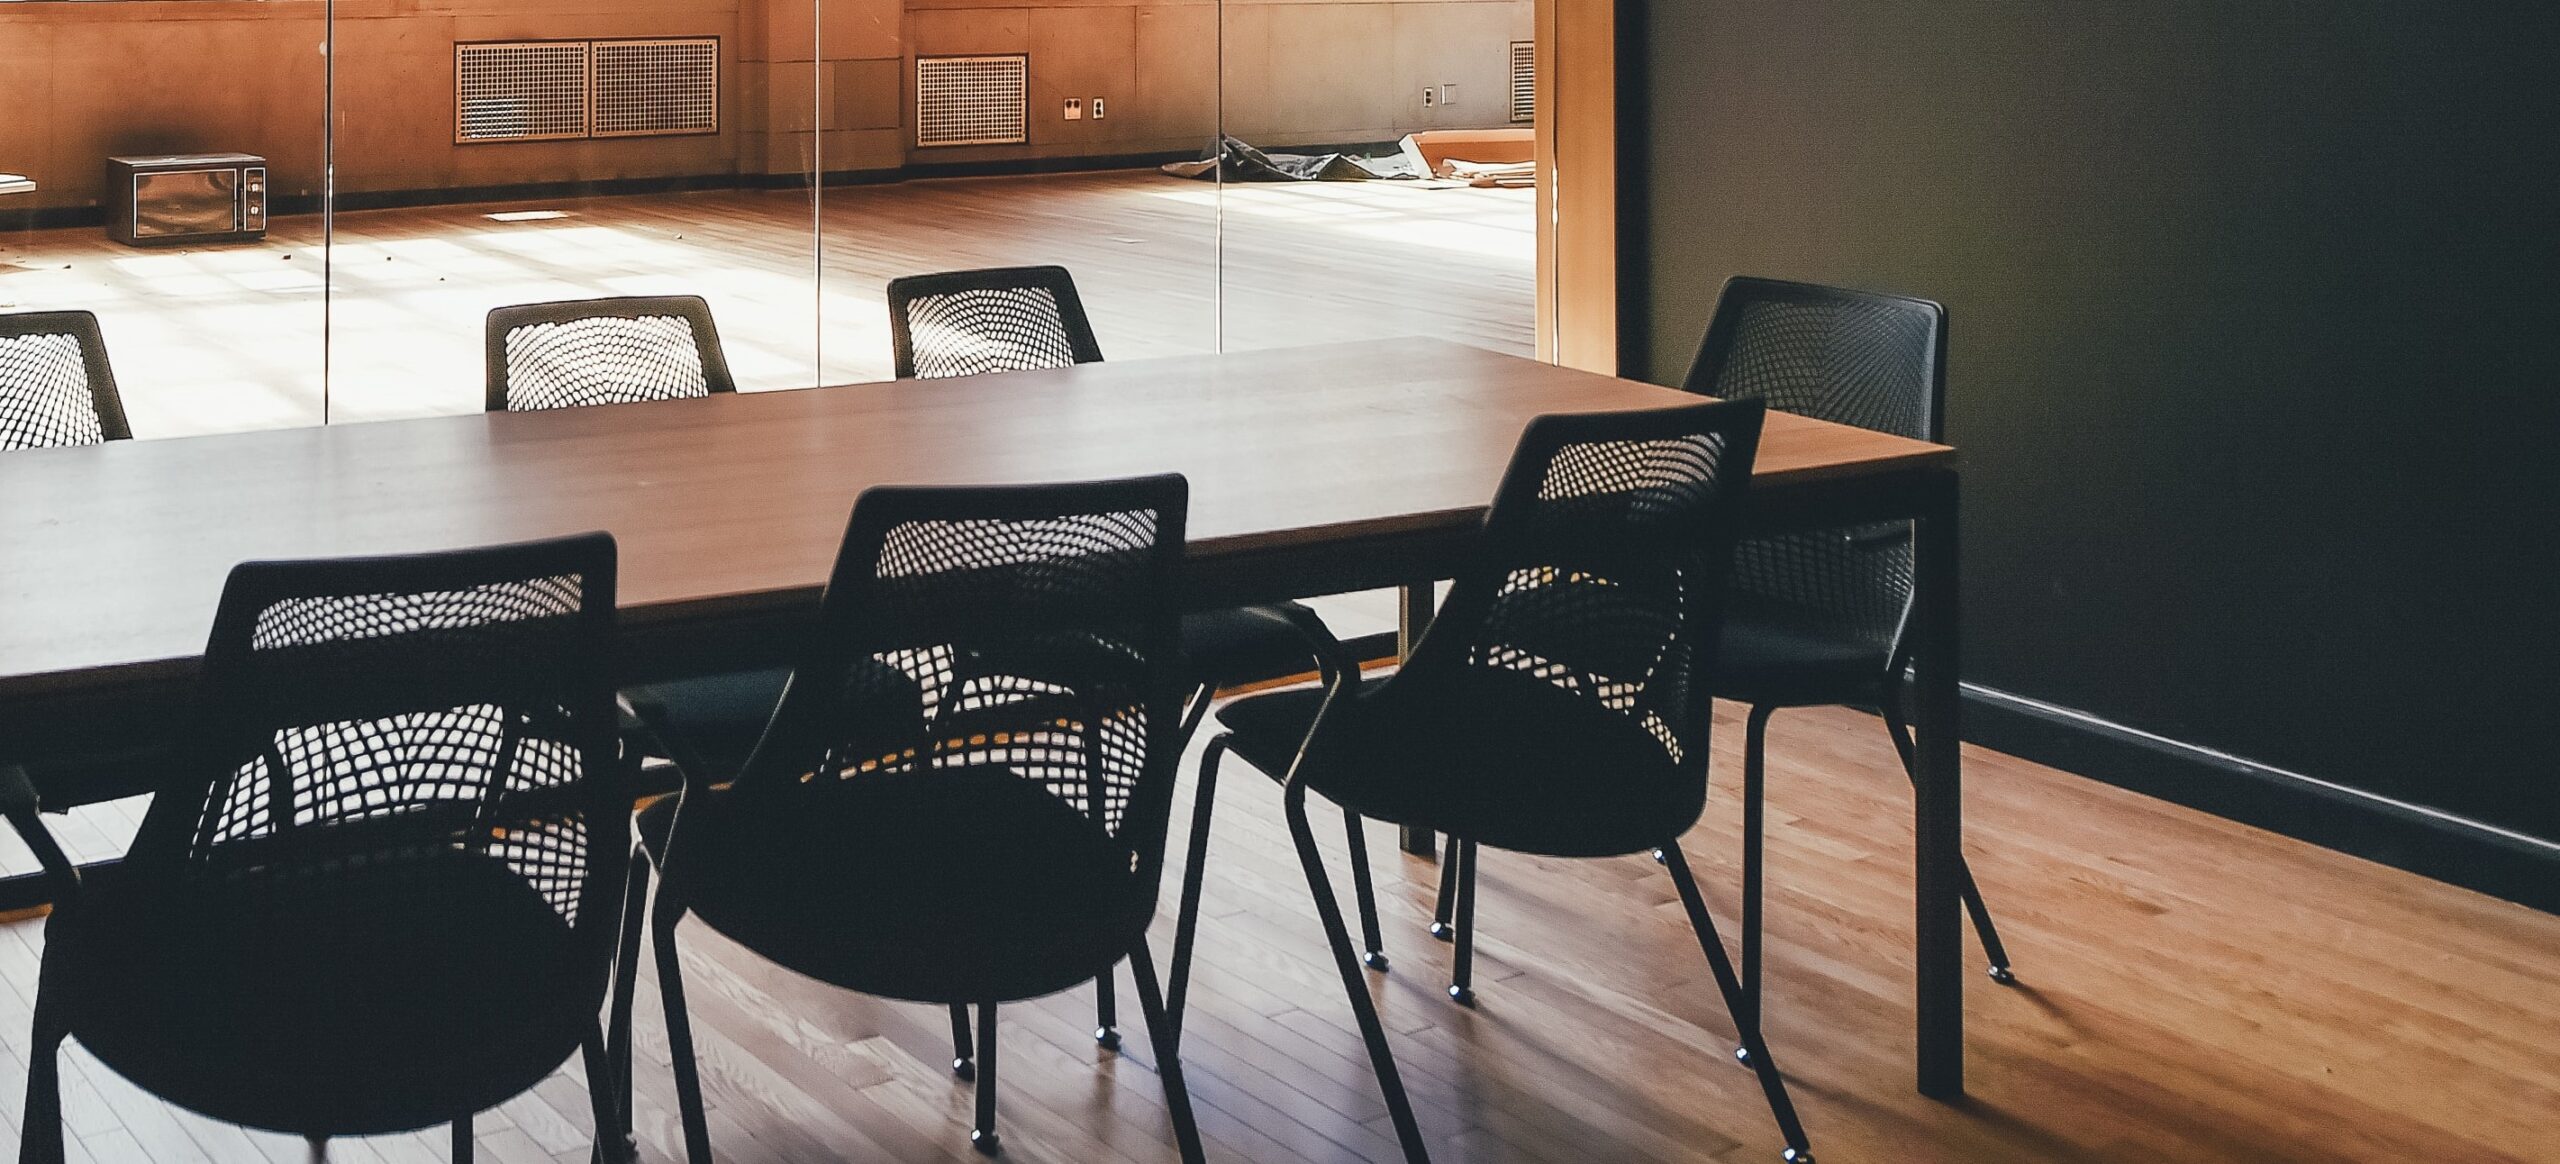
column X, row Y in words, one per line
column 1097, row 109
column 1429, row 96
column 1074, row 109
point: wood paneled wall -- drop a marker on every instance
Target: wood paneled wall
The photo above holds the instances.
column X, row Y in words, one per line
column 84, row 81
column 805, row 85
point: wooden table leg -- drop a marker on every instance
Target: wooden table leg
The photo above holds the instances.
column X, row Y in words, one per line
column 1938, row 799
column 1413, row 616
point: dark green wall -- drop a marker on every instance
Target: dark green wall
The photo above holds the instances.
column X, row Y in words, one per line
column 2256, row 342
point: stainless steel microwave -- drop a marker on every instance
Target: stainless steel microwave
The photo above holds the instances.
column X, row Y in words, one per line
column 168, row 199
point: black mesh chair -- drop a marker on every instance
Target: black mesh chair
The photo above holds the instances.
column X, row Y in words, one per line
column 382, row 894
column 55, row 386
column 962, row 796
column 1817, row 618
column 1559, row 703
column 1017, row 319
column 603, row 351
column 1001, row 319
column 584, row 352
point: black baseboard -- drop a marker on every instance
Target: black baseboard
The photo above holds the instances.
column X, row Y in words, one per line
column 2438, row 846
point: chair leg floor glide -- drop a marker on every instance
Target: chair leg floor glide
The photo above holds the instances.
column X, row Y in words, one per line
column 1355, row 985
column 1755, row 772
column 1447, row 897
column 1747, row 1027
column 612, row 1137
column 982, row 1135
column 1992, row 948
column 964, row 1054
column 626, row 988
column 1462, row 964
column 697, row 1128
column 1160, row 1031
column 1106, row 1009
column 1365, row 893
column 1755, row 750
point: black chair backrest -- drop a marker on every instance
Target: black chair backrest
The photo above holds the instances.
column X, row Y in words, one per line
column 1851, row 357
column 55, row 386
column 1001, row 319
column 1601, row 573
column 363, row 713
column 1039, row 623
column 580, row 352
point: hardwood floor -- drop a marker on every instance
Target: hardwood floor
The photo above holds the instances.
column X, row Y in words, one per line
column 2190, row 989
column 221, row 339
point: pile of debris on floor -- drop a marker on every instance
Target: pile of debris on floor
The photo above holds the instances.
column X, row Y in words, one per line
column 1485, row 157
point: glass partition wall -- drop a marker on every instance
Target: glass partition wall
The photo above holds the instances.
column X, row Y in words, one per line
column 397, row 171
column 211, row 336
column 1378, row 153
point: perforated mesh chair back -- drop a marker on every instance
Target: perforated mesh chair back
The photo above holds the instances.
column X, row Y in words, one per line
column 55, row 386
column 1600, row 574
column 1001, row 319
column 1850, row 357
column 368, row 714
column 1039, row 624
column 583, row 352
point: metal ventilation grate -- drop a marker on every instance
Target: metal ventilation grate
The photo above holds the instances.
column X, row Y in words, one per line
column 652, row 87
column 519, row 90
column 973, row 100
column 1524, row 80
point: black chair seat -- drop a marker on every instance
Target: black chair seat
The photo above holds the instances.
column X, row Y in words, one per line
column 1481, row 763
column 1244, row 644
column 265, row 1002
column 1766, row 661
column 936, row 886
column 720, row 718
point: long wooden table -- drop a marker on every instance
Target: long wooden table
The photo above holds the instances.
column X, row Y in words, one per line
column 1315, row 470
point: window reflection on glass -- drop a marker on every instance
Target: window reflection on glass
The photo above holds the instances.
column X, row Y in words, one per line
column 181, row 212
column 1214, row 175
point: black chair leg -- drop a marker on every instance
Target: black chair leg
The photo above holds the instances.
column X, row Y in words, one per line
column 982, row 1136
column 1195, row 712
column 612, row 1130
column 626, row 988
column 1293, row 802
column 40, row 1129
column 1177, row 1094
column 1374, row 954
column 1186, row 920
column 1462, row 968
column 1106, row 1009
column 462, row 1136
column 1755, row 788
column 697, row 1130
column 1441, row 909
column 1981, row 914
column 1746, row 1024
column 964, row 1054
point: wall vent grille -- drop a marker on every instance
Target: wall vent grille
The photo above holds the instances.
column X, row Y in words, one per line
column 1524, row 80
column 652, row 87
column 519, row 91
column 962, row 101
column 550, row 90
